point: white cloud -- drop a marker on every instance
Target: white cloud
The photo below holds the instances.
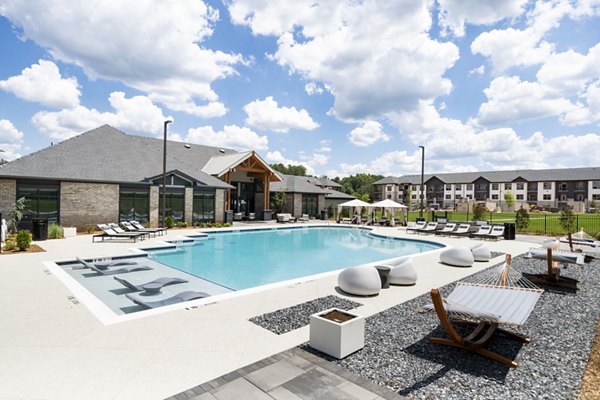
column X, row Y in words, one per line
column 312, row 88
column 43, row 84
column 367, row 134
column 276, row 157
column 509, row 99
column 478, row 71
column 369, row 71
column 583, row 115
column 137, row 113
column 11, row 140
column 455, row 13
column 267, row 115
column 153, row 47
column 231, row 137
column 526, row 47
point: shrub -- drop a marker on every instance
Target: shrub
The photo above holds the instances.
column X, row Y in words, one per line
column 226, row 224
column 567, row 219
column 55, row 231
column 522, row 219
column 89, row 228
column 10, row 245
column 479, row 211
column 182, row 224
column 24, row 240
column 16, row 213
column 169, row 222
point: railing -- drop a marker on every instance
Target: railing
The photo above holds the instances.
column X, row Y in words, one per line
column 539, row 223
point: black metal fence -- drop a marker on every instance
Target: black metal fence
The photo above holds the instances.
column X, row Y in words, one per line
column 539, row 223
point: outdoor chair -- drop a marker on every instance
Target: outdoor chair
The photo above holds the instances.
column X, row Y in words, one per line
column 106, row 264
column 418, row 226
column 151, row 286
column 447, row 229
column 506, row 298
column 429, row 228
column 123, row 270
column 496, row 233
column 118, row 229
column 552, row 276
column 251, row 216
column 141, row 228
column 462, row 230
column 178, row 298
column 483, row 232
column 303, row 218
column 109, row 233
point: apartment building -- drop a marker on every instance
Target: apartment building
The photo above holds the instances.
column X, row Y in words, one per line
column 547, row 188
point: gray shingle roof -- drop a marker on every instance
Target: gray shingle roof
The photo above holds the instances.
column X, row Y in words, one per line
column 334, row 194
column 295, row 184
column 531, row 175
column 106, row 154
column 323, row 182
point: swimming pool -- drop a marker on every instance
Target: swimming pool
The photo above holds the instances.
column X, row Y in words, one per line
column 244, row 259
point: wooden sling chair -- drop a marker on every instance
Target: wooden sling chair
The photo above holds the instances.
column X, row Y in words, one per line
column 505, row 298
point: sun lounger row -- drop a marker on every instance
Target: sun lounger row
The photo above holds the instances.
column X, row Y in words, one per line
column 134, row 231
column 149, row 288
column 458, row 230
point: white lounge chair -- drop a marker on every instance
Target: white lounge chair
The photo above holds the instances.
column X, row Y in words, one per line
column 178, row 298
column 484, row 231
column 151, row 286
column 430, row 228
column 418, row 226
column 496, row 233
column 447, row 229
column 462, row 230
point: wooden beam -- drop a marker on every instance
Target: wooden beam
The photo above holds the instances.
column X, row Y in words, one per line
column 266, row 192
column 228, row 202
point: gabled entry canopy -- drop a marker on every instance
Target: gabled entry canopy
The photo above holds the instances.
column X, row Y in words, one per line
column 250, row 164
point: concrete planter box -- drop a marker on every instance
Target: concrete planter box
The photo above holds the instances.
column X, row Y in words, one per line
column 70, row 232
column 337, row 332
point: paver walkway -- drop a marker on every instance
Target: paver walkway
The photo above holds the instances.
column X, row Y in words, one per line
column 291, row 375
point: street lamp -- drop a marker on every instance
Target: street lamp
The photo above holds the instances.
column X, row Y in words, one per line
column 164, row 181
column 422, row 178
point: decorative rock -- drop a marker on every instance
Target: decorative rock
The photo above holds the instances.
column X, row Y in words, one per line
column 362, row 280
column 403, row 273
column 481, row 252
column 457, row 256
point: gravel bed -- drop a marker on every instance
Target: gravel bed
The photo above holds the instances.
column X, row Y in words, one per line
column 398, row 354
column 288, row 319
column 496, row 254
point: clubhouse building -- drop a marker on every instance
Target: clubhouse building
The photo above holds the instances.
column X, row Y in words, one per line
column 105, row 175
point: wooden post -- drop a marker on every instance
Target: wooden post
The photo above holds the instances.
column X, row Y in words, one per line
column 228, row 203
column 266, row 189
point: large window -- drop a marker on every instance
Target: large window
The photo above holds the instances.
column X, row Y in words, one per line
column 133, row 204
column 309, row 204
column 42, row 201
column 494, row 186
column 520, row 186
column 174, row 205
column 507, row 186
column 204, row 207
column 596, row 185
column 547, row 197
column 547, row 185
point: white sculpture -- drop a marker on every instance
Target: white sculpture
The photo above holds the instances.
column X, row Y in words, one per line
column 362, row 280
column 481, row 252
column 403, row 273
column 457, row 256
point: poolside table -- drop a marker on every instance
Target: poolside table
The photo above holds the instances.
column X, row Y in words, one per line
column 384, row 271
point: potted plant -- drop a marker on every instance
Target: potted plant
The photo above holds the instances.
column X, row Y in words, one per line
column 337, row 332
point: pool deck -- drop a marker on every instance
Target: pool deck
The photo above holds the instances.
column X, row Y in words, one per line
column 53, row 347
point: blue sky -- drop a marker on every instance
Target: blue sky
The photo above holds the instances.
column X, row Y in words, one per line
column 340, row 87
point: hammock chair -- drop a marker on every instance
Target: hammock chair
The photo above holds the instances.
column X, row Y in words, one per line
column 503, row 298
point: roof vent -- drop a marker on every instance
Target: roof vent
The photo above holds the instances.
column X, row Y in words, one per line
column 187, row 146
column 221, row 151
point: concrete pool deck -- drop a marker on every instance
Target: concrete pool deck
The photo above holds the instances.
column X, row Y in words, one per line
column 53, row 347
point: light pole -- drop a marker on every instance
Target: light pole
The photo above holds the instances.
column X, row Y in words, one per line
column 422, row 179
column 164, row 181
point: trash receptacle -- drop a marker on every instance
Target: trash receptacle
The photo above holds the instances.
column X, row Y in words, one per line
column 267, row 215
column 39, row 229
column 509, row 231
column 324, row 215
column 229, row 216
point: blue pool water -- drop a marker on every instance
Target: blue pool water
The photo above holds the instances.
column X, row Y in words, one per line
column 240, row 260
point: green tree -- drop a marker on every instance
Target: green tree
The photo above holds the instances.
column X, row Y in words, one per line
column 23, row 240
column 16, row 214
column 594, row 206
column 567, row 219
column 509, row 199
column 3, row 161
column 359, row 184
column 297, row 170
column 479, row 211
column 278, row 201
column 408, row 196
column 522, row 219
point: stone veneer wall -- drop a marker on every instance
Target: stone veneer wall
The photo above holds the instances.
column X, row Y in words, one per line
column 297, row 205
column 188, row 205
column 8, row 195
column 320, row 204
column 88, row 203
column 153, row 200
column 220, row 205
